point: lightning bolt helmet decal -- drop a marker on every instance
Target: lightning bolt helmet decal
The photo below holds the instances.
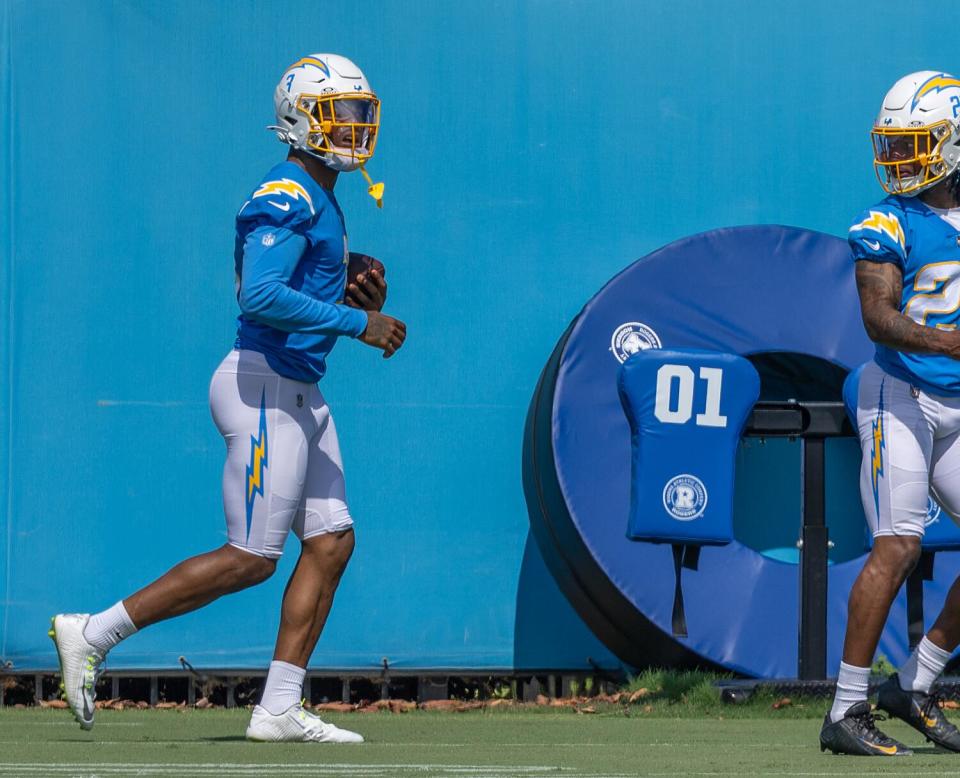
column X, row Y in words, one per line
column 934, row 84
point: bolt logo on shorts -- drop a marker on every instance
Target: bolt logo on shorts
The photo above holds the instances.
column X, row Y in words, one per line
column 876, row 453
column 632, row 337
column 685, row 497
column 258, row 461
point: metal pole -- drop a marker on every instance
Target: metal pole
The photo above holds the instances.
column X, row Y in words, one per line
column 812, row 654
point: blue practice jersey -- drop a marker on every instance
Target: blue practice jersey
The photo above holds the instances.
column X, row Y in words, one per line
column 291, row 264
column 926, row 248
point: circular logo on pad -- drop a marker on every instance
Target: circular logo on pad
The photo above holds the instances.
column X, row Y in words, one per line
column 632, row 337
column 685, row 497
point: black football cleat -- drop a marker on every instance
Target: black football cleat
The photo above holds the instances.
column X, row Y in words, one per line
column 921, row 711
column 856, row 733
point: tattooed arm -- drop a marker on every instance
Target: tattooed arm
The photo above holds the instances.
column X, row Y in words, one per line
column 880, row 286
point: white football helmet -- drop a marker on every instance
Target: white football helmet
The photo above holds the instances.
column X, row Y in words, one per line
column 916, row 137
column 326, row 108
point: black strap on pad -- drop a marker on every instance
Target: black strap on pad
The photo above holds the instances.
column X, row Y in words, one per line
column 684, row 556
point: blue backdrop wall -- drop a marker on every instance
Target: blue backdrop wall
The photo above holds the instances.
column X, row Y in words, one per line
column 530, row 151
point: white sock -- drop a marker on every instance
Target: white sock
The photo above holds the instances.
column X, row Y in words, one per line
column 852, row 686
column 284, row 687
column 109, row 627
column 922, row 668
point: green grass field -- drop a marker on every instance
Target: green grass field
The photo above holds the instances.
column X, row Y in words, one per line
column 523, row 742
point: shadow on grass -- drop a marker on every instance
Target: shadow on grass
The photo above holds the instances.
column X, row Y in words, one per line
column 932, row 751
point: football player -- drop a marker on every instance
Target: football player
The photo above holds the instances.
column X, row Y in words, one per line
column 283, row 468
column 907, row 252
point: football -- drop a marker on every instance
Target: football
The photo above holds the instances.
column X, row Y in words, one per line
column 361, row 263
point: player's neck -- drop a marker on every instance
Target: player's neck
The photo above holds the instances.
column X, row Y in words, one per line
column 319, row 172
column 943, row 196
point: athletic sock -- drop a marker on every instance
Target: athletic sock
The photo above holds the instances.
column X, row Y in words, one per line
column 284, row 687
column 922, row 668
column 852, row 685
column 109, row 627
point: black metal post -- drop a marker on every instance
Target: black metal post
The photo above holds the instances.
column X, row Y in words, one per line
column 812, row 654
column 813, row 422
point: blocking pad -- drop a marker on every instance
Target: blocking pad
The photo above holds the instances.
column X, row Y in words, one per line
column 687, row 409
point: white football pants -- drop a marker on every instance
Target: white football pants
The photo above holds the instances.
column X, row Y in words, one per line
column 910, row 450
column 283, row 468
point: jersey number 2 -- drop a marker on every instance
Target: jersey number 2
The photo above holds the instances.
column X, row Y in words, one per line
column 946, row 301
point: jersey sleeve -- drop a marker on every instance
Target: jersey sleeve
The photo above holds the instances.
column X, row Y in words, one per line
column 270, row 256
column 878, row 235
column 280, row 202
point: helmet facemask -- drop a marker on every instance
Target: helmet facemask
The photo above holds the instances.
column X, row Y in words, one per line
column 342, row 127
column 908, row 160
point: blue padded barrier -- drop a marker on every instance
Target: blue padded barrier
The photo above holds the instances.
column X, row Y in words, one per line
column 751, row 291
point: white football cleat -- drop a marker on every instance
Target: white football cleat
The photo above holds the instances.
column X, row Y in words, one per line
column 296, row 725
column 80, row 665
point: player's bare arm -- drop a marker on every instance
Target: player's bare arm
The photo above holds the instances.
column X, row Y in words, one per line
column 880, row 286
column 384, row 332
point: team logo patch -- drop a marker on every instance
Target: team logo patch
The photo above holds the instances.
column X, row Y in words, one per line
column 284, row 186
column 631, row 338
column 685, row 497
column 884, row 223
column 933, row 512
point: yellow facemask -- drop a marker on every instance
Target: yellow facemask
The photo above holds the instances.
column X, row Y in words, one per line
column 342, row 124
column 907, row 159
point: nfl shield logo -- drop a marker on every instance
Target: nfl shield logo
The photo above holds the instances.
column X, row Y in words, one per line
column 268, row 239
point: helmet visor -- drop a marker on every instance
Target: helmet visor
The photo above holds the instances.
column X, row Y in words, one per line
column 344, row 124
column 908, row 159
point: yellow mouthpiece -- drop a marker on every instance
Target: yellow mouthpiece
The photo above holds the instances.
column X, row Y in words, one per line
column 374, row 190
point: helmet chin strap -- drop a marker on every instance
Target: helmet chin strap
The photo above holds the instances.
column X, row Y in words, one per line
column 954, row 183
